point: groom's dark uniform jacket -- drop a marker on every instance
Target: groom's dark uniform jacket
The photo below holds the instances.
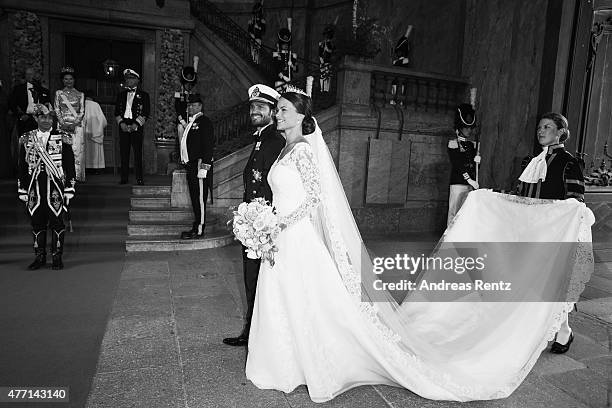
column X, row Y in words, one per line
column 268, row 144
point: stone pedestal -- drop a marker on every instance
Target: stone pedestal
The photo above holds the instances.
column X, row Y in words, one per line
column 179, row 198
column 164, row 150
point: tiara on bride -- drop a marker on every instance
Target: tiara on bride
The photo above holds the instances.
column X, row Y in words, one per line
column 295, row 89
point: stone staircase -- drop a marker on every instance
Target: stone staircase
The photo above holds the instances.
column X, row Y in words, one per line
column 155, row 225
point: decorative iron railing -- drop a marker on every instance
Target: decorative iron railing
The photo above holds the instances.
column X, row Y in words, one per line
column 232, row 125
column 420, row 91
column 232, row 129
column 234, row 35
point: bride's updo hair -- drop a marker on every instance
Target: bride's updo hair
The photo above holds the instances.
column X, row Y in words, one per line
column 303, row 105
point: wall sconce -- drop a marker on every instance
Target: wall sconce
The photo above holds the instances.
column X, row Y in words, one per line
column 111, row 68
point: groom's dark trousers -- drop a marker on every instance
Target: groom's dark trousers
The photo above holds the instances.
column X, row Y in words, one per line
column 268, row 144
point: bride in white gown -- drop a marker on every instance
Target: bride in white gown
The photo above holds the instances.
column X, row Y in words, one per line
column 316, row 320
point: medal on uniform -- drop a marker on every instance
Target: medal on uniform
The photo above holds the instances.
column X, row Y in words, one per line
column 257, row 146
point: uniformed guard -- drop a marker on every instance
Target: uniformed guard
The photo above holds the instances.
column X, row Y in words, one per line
column 402, row 49
column 257, row 28
column 268, row 145
column 46, row 184
column 189, row 79
column 286, row 60
column 196, row 150
column 326, row 53
column 463, row 156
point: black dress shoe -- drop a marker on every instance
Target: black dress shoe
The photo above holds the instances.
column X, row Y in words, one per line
column 39, row 262
column 191, row 235
column 140, row 182
column 558, row 348
column 57, row 262
column 236, row 341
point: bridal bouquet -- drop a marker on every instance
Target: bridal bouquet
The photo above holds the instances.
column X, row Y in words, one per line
column 255, row 225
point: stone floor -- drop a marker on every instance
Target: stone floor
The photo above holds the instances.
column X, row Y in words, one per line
column 162, row 346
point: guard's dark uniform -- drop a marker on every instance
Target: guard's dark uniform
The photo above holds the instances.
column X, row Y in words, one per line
column 564, row 178
column 268, row 146
column 200, row 142
column 46, row 175
column 461, row 154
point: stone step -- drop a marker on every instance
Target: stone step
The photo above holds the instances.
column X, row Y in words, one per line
column 164, row 190
column 173, row 229
column 149, row 202
column 169, row 216
column 161, row 215
column 172, row 243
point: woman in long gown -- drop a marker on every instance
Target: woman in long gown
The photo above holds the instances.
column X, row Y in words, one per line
column 70, row 109
column 317, row 322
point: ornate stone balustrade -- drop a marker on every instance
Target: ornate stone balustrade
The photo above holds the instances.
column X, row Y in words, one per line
column 417, row 90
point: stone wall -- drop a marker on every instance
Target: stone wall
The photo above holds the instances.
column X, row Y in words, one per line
column 437, row 36
column 26, row 49
column 504, row 44
column 392, row 160
column 170, row 63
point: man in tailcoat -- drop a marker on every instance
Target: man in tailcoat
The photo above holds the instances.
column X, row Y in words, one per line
column 132, row 110
column 268, row 145
column 46, row 184
column 196, row 148
column 24, row 98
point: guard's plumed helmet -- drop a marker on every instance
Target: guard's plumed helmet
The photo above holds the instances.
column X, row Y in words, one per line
column 188, row 75
column 465, row 116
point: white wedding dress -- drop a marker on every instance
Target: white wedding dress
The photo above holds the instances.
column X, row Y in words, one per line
column 310, row 325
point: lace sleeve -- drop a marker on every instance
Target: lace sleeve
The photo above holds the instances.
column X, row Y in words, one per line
column 309, row 173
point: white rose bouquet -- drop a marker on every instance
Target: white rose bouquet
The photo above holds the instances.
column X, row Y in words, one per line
column 256, row 226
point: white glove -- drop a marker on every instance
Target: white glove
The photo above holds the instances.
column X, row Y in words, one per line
column 473, row 183
column 202, row 173
column 477, row 159
column 23, row 197
column 68, row 194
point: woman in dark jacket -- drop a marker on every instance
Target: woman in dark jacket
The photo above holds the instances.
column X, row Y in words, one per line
column 554, row 174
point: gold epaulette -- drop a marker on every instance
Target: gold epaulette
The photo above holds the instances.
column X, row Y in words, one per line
column 23, row 139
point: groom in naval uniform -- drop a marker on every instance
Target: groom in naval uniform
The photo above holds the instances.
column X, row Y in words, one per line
column 268, row 144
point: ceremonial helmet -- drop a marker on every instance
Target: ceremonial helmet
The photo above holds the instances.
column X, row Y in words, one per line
column 188, row 75
column 465, row 116
column 284, row 35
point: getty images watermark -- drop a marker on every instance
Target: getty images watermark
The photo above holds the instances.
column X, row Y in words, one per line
column 411, row 265
column 489, row 271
